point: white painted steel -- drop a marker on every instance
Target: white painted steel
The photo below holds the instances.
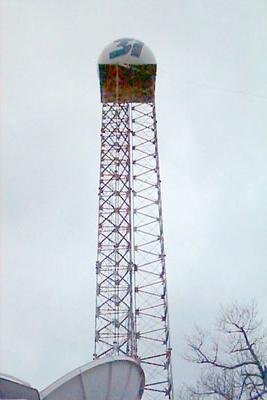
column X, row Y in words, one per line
column 14, row 379
column 126, row 46
column 112, row 378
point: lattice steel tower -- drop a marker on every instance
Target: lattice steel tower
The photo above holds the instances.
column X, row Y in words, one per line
column 131, row 300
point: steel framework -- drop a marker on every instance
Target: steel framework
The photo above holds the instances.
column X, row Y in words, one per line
column 131, row 302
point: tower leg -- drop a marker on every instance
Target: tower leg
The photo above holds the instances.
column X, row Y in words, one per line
column 114, row 301
column 150, row 292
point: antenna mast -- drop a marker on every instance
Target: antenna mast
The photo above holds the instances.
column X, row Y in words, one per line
column 131, row 295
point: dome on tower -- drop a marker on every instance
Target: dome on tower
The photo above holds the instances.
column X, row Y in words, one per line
column 127, row 72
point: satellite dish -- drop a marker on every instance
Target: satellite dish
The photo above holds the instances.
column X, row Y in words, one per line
column 109, row 378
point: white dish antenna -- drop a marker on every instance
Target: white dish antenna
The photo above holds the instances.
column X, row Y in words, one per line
column 112, row 378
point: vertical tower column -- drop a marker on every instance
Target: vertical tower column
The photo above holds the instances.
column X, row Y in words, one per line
column 150, row 292
column 114, row 301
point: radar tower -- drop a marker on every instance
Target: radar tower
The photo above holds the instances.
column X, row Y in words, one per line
column 132, row 315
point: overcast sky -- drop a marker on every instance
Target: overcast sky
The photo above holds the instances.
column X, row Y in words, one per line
column 212, row 126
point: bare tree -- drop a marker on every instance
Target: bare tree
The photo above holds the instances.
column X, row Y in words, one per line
column 233, row 362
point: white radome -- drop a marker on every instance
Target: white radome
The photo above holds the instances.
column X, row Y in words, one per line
column 127, row 51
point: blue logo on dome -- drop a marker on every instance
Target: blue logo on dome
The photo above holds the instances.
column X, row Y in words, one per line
column 125, row 46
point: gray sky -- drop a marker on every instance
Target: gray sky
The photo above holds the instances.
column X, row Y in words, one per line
column 212, row 120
